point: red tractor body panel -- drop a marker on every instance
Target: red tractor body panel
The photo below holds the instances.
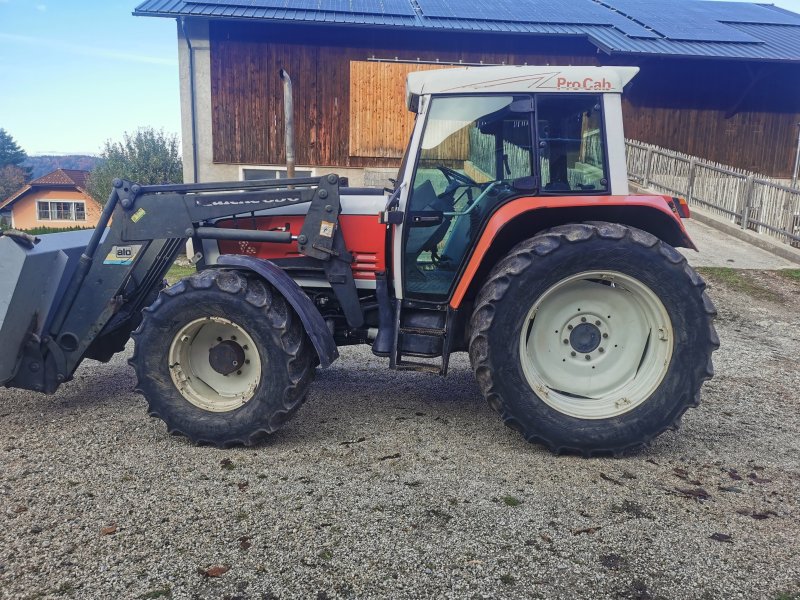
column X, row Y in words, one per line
column 364, row 235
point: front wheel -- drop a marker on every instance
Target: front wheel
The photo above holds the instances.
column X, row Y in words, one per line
column 222, row 358
column 592, row 338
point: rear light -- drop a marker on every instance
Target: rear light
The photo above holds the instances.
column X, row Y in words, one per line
column 682, row 208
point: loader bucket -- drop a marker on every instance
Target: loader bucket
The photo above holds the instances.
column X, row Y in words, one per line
column 32, row 282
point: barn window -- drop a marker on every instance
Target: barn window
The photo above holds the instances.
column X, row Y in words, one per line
column 250, row 174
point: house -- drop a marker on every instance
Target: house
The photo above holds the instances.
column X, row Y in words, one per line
column 56, row 200
column 719, row 80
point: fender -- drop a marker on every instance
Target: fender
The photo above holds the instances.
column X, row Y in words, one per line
column 312, row 320
column 655, row 214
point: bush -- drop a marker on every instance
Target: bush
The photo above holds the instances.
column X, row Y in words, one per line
column 46, row 230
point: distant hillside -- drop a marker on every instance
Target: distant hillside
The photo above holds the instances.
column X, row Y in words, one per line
column 42, row 165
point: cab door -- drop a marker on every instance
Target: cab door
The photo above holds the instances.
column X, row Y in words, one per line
column 475, row 152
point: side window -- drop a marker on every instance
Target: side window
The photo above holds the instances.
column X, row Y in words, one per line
column 571, row 151
column 473, row 149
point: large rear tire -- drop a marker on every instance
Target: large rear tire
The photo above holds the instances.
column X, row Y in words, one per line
column 592, row 338
column 222, row 359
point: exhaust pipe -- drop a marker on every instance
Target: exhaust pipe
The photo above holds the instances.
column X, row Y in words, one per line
column 288, row 121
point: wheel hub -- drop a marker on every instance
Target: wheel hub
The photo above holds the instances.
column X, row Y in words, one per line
column 585, row 338
column 215, row 364
column 226, row 357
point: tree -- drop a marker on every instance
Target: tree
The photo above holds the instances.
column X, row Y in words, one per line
column 12, row 175
column 147, row 156
column 10, row 152
column 12, row 178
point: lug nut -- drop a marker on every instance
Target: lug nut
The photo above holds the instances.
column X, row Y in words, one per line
column 569, row 327
column 572, row 353
column 597, row 323
column 566, row 341
column 605, row 335
column 588, row 357
column 583, row 319
column 602, row 350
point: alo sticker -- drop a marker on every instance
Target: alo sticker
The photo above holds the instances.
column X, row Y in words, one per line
column 122, row 255
column 326, row 229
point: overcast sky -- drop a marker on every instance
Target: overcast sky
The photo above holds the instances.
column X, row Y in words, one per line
column 75, row 73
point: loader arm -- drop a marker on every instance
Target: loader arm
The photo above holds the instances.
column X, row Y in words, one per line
column 141, row 231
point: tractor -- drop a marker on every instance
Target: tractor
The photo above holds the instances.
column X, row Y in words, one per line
column 509, row 233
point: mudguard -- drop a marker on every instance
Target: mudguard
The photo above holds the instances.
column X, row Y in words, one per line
column 312, row 320
column 655, row 214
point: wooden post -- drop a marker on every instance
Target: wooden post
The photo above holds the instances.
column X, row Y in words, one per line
column 747, row 200
column 690, row 183
column 647, row 160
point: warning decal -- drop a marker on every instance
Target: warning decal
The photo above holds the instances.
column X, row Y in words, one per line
column 326, row 229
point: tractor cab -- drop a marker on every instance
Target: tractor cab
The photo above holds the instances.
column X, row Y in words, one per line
column 486, row 136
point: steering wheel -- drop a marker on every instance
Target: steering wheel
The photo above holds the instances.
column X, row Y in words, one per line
column 454, row 177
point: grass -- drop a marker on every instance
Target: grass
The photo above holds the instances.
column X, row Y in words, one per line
column 511, row 501
column 793, row 274
column 177, row 272
column 740, row 281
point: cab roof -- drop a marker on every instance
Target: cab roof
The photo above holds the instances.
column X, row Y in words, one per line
column 517, row 79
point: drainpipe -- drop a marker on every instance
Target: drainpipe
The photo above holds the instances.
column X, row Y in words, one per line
column 288, row 120
column 192, row 113
column 796, row 159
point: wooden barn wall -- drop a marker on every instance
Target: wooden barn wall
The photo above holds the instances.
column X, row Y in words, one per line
column 736, row 113
column 247, row 98
column 731, row 112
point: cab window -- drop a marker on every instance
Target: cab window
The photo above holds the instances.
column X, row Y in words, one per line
column 571, row 150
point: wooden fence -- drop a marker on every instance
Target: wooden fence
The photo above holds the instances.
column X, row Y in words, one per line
column 748, row 199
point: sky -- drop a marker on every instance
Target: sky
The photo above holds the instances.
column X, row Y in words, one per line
column 76, row 73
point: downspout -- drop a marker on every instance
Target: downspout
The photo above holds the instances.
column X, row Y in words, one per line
column 796, row 159
column 288, row 120
column 192, row 114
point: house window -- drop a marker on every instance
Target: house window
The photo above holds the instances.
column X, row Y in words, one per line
column 61, row 211
column 249, row 174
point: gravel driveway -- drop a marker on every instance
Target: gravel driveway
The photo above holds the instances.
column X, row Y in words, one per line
column 398, row 485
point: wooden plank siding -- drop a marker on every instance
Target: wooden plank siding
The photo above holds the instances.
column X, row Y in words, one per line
column 351, row 113
column 377, row 90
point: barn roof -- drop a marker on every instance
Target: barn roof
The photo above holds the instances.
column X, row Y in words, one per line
column 686, row 28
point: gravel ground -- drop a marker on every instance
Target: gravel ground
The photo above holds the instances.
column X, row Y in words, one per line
column 399, row 485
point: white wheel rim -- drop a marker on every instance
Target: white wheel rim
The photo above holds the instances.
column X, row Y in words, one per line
column 195, row 378
column 570, row 370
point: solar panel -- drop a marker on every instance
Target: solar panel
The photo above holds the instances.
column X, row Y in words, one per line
column 574, row 12
column 743, row 12
column 369, row 7
column 685, row 20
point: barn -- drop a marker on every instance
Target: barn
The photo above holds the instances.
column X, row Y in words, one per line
column 718, row 80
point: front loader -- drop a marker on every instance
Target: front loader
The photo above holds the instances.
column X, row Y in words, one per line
column 509, row 234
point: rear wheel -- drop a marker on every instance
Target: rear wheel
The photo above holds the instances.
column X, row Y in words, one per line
column 592, row 338
column 222, row 359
